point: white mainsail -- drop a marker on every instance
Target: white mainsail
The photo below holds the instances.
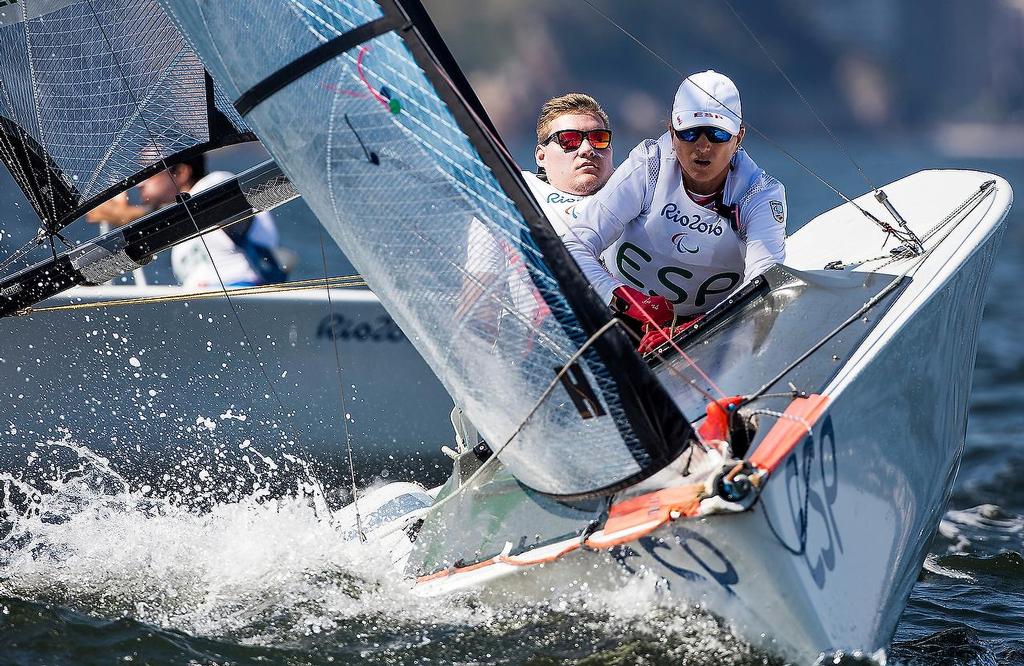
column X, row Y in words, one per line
column 349, row 99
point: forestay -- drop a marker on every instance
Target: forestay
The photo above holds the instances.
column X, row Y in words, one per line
column 96, row 95
column 366, row 113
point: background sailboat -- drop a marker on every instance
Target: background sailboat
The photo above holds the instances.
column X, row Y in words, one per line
column 125, row 99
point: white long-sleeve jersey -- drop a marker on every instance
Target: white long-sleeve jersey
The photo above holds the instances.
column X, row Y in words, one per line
column 489, row 256
column 207, row 260
column 643, row 229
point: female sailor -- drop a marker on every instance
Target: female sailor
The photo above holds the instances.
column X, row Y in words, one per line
column 685, row 219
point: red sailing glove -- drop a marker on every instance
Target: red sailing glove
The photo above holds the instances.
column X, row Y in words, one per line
column 638, row 305
column 655, row 337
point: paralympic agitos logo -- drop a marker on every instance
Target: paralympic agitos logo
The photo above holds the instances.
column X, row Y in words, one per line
column 681, row 246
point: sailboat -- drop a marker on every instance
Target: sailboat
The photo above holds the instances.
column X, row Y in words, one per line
column 110, row 111
column 178, row 376
column 785, row 461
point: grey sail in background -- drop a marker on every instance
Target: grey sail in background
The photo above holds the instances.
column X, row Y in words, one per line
column 368, row 116
column 96, row 95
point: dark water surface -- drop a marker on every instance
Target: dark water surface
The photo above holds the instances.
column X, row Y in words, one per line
column 97, row 570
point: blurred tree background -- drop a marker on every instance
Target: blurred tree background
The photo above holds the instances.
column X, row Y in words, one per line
column 951, row 68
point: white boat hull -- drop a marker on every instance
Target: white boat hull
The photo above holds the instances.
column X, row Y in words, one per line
column 827, row 558
column 880, row 469
column 73, row 372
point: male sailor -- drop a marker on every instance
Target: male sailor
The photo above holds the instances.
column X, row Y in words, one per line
column 239, row 255
column 686, row 219
column 573, row 154
column 574, row 160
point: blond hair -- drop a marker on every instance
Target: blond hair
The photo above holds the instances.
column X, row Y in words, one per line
column 574, row 103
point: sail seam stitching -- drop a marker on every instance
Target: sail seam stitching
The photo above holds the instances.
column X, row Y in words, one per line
column 137, row 114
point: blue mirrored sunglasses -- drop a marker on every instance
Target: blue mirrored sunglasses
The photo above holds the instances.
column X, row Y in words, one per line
column 714, row 134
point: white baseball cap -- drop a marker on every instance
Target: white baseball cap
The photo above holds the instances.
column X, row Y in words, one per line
column 707, row 99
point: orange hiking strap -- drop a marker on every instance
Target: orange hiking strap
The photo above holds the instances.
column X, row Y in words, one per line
column 789, row 431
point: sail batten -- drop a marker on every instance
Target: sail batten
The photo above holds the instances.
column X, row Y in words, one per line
column 308, row 62
column 395, row 155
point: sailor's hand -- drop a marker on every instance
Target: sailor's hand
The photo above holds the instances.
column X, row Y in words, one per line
column 655, row 336
column 638, row 305
column 115, row 212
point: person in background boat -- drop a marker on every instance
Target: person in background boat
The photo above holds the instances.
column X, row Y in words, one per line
column 574, row 160
column 685, row 220
column 240, row 255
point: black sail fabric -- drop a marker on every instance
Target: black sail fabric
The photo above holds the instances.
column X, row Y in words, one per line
column 96, row 95
column 366, row 113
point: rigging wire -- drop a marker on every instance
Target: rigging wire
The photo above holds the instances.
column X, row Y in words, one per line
column 337, row 282
column 807, row 103
column 411, row 517
column 904, row 234
column 23, row 250
column 965, row 208
column 49, row 224
column 678, row 372
column 152, row 138
column 764, row 137
column 690, row 362
column 341, row 395
column 483, row 290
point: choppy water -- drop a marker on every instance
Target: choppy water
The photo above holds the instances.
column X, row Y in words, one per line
column 236, row 557
column 95, row 571
column 968, row 605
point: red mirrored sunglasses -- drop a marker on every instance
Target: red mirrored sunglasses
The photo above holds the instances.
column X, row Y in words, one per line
column 570, row 139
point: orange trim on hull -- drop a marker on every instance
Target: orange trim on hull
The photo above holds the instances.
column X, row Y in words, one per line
column 452, row 570
column 637, row 517
column 627, row 520
column 521, row 560
column 801, row 415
